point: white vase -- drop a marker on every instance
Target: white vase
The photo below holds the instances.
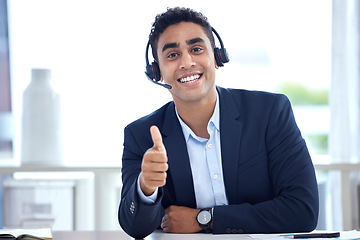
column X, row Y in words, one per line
column 41, row 143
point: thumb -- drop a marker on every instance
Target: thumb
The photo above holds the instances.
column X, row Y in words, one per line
column 157, row 139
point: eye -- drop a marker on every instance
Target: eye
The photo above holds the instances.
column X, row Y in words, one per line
column 197, row 50
column 172, row 55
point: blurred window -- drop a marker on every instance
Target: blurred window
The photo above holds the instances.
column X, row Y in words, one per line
column 96, row 51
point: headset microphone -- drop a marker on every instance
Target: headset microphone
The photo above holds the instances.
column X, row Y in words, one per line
column 167, row 86
column 153, row 70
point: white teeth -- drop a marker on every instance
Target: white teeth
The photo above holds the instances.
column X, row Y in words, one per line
column 190, row 79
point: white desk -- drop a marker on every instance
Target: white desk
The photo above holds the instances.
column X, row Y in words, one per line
column 160, row 235
column 157, row 235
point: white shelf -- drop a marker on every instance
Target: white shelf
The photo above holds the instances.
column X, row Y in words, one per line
column 345, row 170
column 105, row 194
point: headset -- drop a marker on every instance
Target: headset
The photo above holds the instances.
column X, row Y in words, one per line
column 153, row 71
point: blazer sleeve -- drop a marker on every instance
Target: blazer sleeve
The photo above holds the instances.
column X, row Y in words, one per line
column 294, row 205
column 135, row 217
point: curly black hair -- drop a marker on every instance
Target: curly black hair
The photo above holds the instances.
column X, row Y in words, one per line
column 174, row 16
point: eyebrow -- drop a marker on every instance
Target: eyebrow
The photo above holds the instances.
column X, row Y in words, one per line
column 176, row 45
column 194, row 40
column 170, row 45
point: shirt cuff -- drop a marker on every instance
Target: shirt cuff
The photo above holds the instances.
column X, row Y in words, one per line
column 146, row 199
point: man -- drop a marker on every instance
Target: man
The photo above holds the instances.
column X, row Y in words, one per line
column 214, row 159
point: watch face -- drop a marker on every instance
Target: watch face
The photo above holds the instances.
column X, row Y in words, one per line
column 204, row 217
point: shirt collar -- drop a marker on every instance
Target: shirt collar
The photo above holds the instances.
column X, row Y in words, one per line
column 215, row 120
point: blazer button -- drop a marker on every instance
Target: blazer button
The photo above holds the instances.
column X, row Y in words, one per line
column 240, row 230
column 234, row 230
column 228, row 230
column 132, row 207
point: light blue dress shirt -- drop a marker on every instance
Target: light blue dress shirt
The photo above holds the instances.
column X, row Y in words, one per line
column 205, row 162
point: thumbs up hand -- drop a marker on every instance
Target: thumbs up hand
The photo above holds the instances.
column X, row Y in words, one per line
column 154, row 164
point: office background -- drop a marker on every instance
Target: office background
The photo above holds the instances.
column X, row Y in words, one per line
column 308, row 50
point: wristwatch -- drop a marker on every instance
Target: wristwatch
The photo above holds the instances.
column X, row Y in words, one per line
column 204, row 219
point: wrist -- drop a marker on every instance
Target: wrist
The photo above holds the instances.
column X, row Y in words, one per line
column 148, row 191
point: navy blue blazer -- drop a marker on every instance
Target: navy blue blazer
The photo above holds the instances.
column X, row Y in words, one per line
column 269, row 177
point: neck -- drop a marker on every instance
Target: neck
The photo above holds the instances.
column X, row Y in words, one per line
column 197, row 114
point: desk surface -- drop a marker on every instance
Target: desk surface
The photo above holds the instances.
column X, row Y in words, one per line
column 160, row 235
column 157, row 235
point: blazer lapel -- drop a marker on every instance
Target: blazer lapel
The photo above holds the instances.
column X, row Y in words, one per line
column 178, row 159
column 230, row 135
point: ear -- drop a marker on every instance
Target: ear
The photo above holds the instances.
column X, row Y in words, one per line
column 216, row 66
column 161, row 77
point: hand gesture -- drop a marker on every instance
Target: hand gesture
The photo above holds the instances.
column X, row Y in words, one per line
column 154, row 164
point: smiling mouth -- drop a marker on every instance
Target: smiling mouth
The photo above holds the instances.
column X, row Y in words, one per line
column 190, row 79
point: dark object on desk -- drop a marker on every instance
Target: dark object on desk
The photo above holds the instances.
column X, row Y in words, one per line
column 21, row 237
column 318, row 235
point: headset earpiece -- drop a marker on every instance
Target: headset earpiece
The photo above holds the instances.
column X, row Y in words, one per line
column 221, row 55
column 152, row 70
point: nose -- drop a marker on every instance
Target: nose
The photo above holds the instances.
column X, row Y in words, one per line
column 187, row 61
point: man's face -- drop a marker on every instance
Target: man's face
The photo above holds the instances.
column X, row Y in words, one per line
column 187, row 62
